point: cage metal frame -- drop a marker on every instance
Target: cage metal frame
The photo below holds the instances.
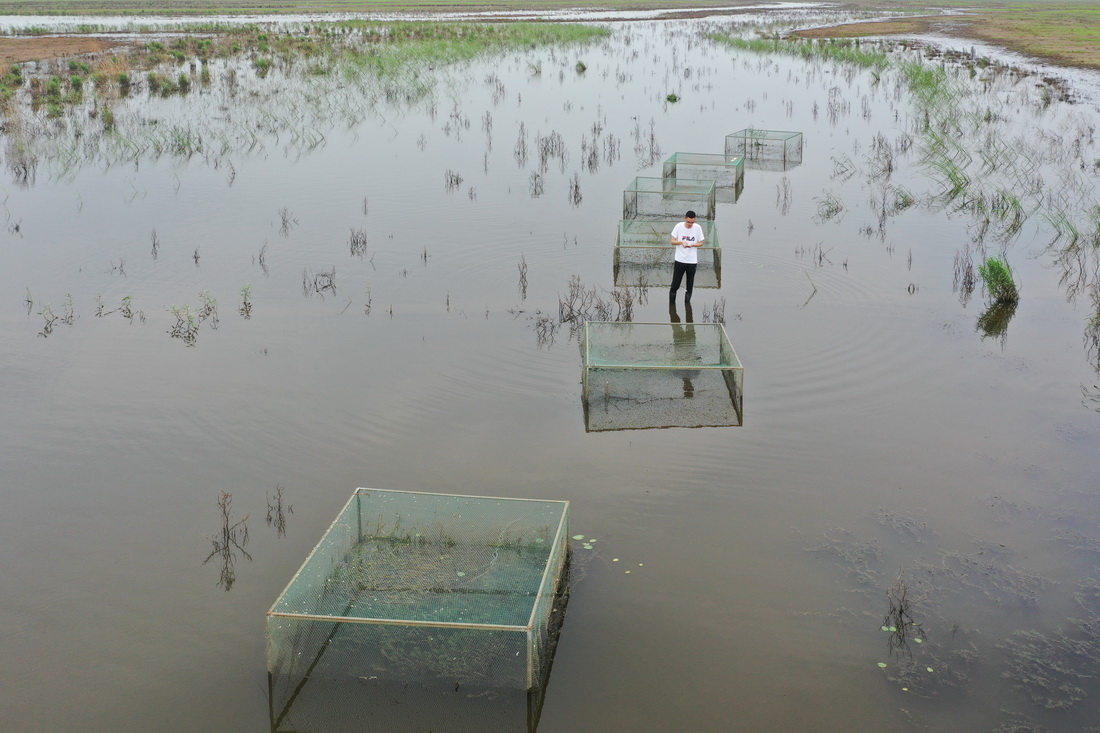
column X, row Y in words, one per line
column 697, row 194
column 733, row 374
column 549, row 584
column 790, row 142
column 734, row 164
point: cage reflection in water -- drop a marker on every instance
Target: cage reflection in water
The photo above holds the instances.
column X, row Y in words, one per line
column 423, row 588
column 777, row 150
column 354, row 705
column 727, row 172
column 660, row 375
column 660, row 198
column 644, row 251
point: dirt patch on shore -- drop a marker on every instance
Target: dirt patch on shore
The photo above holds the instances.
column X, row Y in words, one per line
column 876, row 28
column 19, row 50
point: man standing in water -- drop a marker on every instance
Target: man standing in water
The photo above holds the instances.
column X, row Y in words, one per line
column 688, row 237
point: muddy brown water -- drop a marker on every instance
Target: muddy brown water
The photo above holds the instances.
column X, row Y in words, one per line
column 883, row 434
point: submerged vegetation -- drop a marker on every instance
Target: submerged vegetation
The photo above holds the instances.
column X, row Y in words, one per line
column 59, row 120
column 959, row 129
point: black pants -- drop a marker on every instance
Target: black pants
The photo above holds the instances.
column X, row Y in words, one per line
column 678, row 270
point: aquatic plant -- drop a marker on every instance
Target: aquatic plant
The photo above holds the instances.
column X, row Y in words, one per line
column 246, row 301
column 277, row 509
column 522, row 277
column 899, row 621
column 186, row 326
column 831, row 50
column 126, row 308
column 318, row 282
column 715, row 312
column 228, row 542
column 999, row 283
column 828, row 206
column 1092, row 328
column 583, row 303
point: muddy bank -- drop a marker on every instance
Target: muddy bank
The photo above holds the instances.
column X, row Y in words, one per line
column 19, row 50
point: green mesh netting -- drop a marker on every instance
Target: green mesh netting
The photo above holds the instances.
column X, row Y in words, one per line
column 760, row 146
column 417, row 586
column 658, row 375
column 643, row 254
column 657, row 198
column 725, row 171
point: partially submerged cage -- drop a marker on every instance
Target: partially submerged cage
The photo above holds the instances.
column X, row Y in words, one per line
column 727, row 171
column 421, row 588
column 779, row 149
column 644, row 253
column 659, row 375
column 660, row 198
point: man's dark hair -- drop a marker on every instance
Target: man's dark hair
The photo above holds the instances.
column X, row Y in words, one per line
column 690, row 215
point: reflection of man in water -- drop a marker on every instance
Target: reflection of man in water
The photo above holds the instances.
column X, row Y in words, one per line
column 683, row 346
column 688, row 238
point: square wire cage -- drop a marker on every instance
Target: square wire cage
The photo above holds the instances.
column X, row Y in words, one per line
column 660, row 198
column 644, row 254
column 726, row 171
column 777, row 149
column 423, row 587
column 660, row 375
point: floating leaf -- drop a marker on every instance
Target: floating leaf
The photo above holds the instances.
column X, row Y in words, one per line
column 593, row 540
column 641, row 564
column 905, row 689
column 586, row 546
column 893, row 628
column 538, row 541
column 578, row 536
column 628, row 572
column 882, row 665
column 461, row 574
column 930, row 669
column 885, row 628
column 919, row 641
column 615, row 560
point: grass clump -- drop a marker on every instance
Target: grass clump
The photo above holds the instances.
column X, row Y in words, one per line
column 998, row 280
column 832, row 50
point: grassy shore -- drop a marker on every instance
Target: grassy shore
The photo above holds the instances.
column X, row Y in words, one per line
column 1062, row 31
column 215, row 7
column 1065, row 32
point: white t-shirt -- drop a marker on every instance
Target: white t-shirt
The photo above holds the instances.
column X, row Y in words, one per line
column 681, row 233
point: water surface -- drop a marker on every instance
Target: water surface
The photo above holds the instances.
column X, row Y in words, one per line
column 884, row 433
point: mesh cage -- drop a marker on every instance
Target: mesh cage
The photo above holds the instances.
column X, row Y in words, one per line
column 726, row 171
column 421, row 587
column 643, row 254
column 770, row 149
column 617, row 345
column 661, row 198
column 659, row 375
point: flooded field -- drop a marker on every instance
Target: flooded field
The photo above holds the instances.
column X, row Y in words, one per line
column 254, row 292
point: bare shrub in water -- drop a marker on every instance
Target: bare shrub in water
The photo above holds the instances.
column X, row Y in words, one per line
column 229, row 541
column 899, row 620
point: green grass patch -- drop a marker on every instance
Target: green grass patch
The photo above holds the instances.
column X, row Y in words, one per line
column 220, row 7
column 842, row 50
column 999, row 283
